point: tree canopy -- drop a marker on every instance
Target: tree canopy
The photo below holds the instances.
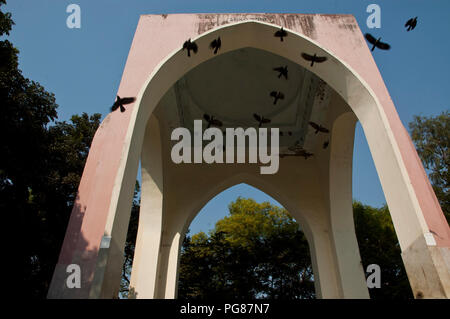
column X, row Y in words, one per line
column 40, row 168
column 432, row 138
column 258, row 251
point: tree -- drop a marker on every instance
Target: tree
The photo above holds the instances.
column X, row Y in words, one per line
column 130, row 243
column 431, row 136
column 258, row 251
column 378, row 244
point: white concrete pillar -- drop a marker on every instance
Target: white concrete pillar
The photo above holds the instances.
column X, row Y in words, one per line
column 145, row 261
column 350, row 271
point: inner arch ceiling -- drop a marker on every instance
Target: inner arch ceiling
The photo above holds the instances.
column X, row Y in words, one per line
column 235, row 85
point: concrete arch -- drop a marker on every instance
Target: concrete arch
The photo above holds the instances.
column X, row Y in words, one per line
column 351, row 72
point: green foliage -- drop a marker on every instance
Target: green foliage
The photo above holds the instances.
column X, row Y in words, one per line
column 130, row 243
column 378, row 244
column 6, row 22
column 431, row 136
column 258, row 251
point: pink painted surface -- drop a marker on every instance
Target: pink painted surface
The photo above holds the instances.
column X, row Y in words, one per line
column 149, row 47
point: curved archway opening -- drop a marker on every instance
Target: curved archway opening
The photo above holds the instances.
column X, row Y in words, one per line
column 244, row 244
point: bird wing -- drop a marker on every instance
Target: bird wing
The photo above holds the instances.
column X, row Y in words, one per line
column 194, row 47
column 314, row 125
column 383, row 46
column 370, row 38
column 279, row 69
column 128, row 100
column 408, row 22
column 321, row 59
column 257, row 117
column 217, row 123
column 306, row 56
column 213, row 44
column 185, row 45
column 206, row 117
column 273, row 94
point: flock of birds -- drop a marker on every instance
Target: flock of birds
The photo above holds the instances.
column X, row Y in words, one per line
column 376, row 42
column 297, row 149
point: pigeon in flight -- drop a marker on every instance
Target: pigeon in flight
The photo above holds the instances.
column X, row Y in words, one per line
column 120, row 102
column 216, row 44
column 212, row 121
column 298, row 151
column 313, row 58
column 188, row 45
column 411, row 24
column 277, row 96
column 283, row 71
column 377, row 42
column 318, row 128
column 261, row 119
column 281, row 34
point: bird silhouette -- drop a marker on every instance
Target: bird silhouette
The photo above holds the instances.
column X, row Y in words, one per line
column 376, row 43
column 281, row 34
column 313, row 58
column 325, row 144
column 411, row 24
column 297, row 151
column 318, row 128
column 261, row 119
column 188, row 45
column 120, row 102
column 283, row 71
column 216, row 44
column 212, row 121
column 306, row 154
column 277, row 96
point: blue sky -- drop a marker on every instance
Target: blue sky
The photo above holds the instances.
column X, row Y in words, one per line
column 83, row 67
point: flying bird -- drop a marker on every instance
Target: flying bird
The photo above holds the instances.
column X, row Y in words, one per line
column 120, row 102
column 318, row 128
column 306, row 154
column 212, row 121
column 325, row 144
column 281, row 34
column 297, row 151
column 283, row 71
column 377, row 42
column 261, row 119
column 188, row 45
column 215, row 44
column 411, row 24
column 277, row 96
column 314, row 58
